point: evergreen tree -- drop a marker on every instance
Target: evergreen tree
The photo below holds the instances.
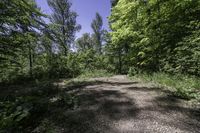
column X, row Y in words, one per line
column 19, row 21
column 97, row 25
column 64, row 25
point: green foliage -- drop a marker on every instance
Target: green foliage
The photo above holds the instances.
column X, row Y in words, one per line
column 61, row 67
column 11, row 114
column 19, row 22
column 97, row 25
column 15, row 114
column 86, row 42
column 24, row 109
column 156, row 35
column 181, row 85
column 94, row 74
column 31, row 49
column 64, row 25
column 132, row 71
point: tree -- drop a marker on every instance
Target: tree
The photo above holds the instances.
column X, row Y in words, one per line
column 153, row 35
column 85, row 42
column 114, row 2
column 97, row 25
column 64, row 25
column 19, row 20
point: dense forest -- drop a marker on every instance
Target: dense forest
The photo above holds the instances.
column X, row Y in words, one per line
column 146, row 35
column 153, row 39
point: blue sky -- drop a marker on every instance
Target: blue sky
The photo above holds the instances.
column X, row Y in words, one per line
column 86, row 9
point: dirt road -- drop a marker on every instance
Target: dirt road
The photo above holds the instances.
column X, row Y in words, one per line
column 118, row 105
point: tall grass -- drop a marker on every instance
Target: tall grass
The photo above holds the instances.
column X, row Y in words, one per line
column 184, row 86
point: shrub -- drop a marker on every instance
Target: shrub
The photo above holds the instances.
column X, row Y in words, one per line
column 132, row 71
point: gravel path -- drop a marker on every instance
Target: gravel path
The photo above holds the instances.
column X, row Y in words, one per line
column 118, row 105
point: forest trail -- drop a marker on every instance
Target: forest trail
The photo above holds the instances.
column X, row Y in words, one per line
column 118, row 105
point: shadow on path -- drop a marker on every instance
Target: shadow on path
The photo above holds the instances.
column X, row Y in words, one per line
column 99, row 108
column 103, row 104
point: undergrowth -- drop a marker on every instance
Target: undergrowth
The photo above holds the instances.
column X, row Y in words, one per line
column 28, row 106
column 32, row 106
column 184, row 86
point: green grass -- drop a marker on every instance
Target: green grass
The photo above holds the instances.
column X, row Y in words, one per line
column 94, row 74
column 184, row 86
column 85, row 76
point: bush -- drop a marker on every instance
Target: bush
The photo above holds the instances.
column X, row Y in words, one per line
column 25, row 112
column 12, row 114
column 132, row 71
column 65, row 67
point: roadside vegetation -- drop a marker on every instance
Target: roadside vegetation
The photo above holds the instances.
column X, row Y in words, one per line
column 35, row 106
column 151, row 40
column 95, row 74
column 182, row 86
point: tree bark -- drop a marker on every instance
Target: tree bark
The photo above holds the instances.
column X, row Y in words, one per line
column 120, row 62
column 30, row 63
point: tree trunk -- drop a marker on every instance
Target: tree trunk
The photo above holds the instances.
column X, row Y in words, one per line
column 30, row 63
column 120, row 62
